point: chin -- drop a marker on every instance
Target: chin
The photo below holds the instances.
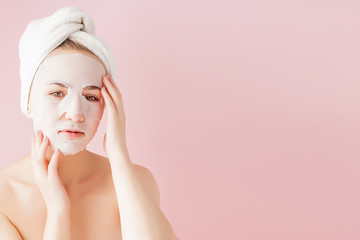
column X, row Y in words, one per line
column 70, row 147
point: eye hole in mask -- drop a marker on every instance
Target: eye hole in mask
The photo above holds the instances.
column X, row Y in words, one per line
column 90, row 98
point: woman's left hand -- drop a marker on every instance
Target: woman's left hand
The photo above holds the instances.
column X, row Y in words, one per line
column 114, row 138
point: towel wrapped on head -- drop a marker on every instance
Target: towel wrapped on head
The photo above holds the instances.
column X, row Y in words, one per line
column 43, row 35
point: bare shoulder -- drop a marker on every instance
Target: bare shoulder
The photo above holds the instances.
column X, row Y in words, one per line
column 7, row 175
column 5, row 190
column 145, row 175
column 149, row 182
column 15, row 167
column 10, row 174
column 7, row 229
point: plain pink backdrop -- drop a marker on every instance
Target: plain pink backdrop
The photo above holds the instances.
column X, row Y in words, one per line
column 246, row 112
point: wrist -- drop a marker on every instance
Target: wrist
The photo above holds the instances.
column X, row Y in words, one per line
column 119, row 155
column 58, row 211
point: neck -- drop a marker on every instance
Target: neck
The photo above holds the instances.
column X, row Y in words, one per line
column 73, row 169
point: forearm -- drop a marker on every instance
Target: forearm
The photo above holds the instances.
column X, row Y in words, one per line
column 57, row 226
column 141, row 218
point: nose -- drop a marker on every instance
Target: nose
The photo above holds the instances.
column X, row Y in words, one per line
column 73, row 110
column 75, row 117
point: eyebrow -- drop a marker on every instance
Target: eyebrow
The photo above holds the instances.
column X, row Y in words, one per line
column 90, row 87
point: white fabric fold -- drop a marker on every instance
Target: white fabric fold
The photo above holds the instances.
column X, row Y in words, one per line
column 43, row 35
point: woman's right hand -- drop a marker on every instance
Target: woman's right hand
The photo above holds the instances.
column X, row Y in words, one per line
column 46, row 175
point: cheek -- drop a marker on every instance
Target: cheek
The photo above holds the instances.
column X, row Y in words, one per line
column 45, row 116
column 95, row 111
column 42, row 108
column 45, row 120
column 40, row 102
column 93, row 118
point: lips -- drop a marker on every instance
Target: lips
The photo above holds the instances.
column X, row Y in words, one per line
column 71, row 133
column 71, row 130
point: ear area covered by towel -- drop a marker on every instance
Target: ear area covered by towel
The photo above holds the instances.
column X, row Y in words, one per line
column 43, row 35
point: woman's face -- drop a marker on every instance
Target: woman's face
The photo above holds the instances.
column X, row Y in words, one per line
column 65, row 94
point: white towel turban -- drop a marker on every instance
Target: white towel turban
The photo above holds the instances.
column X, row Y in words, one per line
column 43, row 35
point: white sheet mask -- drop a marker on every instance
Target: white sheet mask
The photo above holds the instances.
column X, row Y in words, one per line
column 72, row 107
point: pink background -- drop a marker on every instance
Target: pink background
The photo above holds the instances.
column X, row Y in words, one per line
column 246, row 112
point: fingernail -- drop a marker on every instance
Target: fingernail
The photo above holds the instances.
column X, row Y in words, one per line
column 44, row 139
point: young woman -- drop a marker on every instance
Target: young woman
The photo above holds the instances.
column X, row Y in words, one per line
column 61, row 190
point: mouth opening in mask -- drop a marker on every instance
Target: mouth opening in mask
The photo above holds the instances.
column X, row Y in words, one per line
column 71, row 134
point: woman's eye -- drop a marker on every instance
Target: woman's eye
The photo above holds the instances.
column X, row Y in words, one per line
column 92, row 98
column 56, row 94
column 61, row 94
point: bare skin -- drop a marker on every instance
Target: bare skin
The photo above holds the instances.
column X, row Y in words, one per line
column 94, row 209
column 89, row 182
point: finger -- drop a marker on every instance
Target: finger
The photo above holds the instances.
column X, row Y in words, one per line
column 33, row 148
column 39, row 138
column 120, row 102
column 33, row 154
column 43, row 149
column 53, row 165
column 42, row 156
column 114, row 93
column 111, row 91
column 104, row 142
column 108, row 101
column 32, row 145
column 40, row 170
column 39, row 164
column 112, row 82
